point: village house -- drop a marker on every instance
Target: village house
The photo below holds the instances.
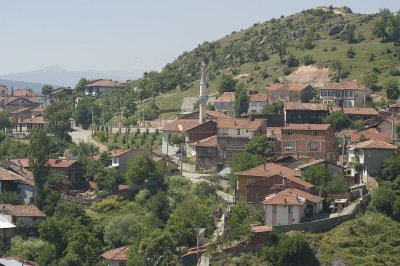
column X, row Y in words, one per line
column 60, row 92
column 291, row 206
column 97, row 87
column 255, row 184
column 225, row 103
column 16, row 103
column 304, row 113
column 357, row 113
column 21, row 114
column 257, row 102
column 344, row 94
column 315, row 140
column 24, row 125
column 369, row 155
column 22, row 214
column 290, row 93
column 117, row 256
column 14, row 178
column 7, row 230
column 206, row 152
column 38, row 111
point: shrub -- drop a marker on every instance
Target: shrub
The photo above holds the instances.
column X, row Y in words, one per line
column 286, row 71
column 395, row 71
column 10, row 198
column 292, row 61
column 308, row 60
column 383, row 199
column 107, row 205
column 333, row 48
column 350, row 53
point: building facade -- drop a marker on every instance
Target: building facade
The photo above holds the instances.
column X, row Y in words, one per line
column 290, row 93
column 225, row 103
column 304, row 113
column 344, row 94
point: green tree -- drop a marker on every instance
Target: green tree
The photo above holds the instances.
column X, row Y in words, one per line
column 83, row 112
column 33, row 249
column 339, row 120
column 380, row 26
column 242, row 100
column 370, row 80
column 260, row 145
column 244, row 161
column 4, row 121
column 58, row 115
column 80, row 86
column 391, row 168
column 108, row 179
column 318, row 176
column 55, row 185
column 46, row 91
column 140, row 169
column 226, row 84
column 38, row 155
column 383, row 199
column 105, row 159
column 392, row 88
column 10, row 198
column 292, row 61
column 337, row 70
column 274, row 108
column 278, row 41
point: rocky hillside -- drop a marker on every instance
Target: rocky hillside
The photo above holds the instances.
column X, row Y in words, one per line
column 298, row 48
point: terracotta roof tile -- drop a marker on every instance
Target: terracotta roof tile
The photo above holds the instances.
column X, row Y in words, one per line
column 291, row 196
column 61, row 163
column 305, row 106
column 39, row 109
column 315, row 127
column 305, row 195
column 226, row 97
column 272, row 169
column 308, row 164
column 370, row 135
column 183, row 125
column 274, row 132
column 258, row 97
column 118, row 254
column 207, row 142
column 15, row 175
column 240, row 123
column 373, row 144
column 22, row 210
column 356, row 110
column 344, row 85
column 217, row 115
column 34, row 120
column 104, row 83
column 118, row 152
column 21, row 110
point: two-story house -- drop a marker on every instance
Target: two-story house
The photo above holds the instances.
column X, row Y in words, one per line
column 315, row 140
column 14, row 178
column 225, row 103
column 357, row 113
column 369, row 156
column 120, row 158
column 304, row 113
column 257, row 102
column 101, row 86
column 290, row 93
column 27, row 214
column 344, row 94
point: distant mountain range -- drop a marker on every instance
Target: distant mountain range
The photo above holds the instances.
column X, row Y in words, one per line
column 62, row 77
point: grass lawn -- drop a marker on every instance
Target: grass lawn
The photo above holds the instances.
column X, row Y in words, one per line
column 135, row 140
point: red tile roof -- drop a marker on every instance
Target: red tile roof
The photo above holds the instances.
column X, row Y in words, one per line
column 226, row 97
column 344, row 85
column 374, row 144
column 272, row 169
column 10, row 173
column 274, row 132
column 315, row 127
column 183, row 125
column 356, row 110
column 61, row 163
column 370, row 135
column 258, row 97
column 39, row 109
column 291, row 196
column 308, row 164
column 217, row 115
column 118, row 152
column 24, row 92
column 286, row 87
column 305, row 106
column 22, row 210
column 20, row 110
column 117, row 254
column 240, row 123
column 103, row 83
column 34, row 120
column 305, row 195
column 207, row 142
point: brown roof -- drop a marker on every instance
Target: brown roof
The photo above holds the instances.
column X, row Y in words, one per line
column 22, row 210
column 118, row 152
column 315, row 127
column 24, row 162
column 274, row 132
column 207, row 142
column 24, row 92
column 226, row 97
column 34, row 120
column 373, row 144
column 356, row 110
column 39, row 109
column 240, row 123
column 305, row 106
column 21, row 110
column 60, row 163
column 119, row 254
column 286, row 87
column 272, row 169
column 258, row 97
column 12, row 174
column 291, row 196
column 305, row 195
column 217, row 115
column 370, row 135
column 182, row 125
column 13, row 99
column 104, row 83
column 344, row 85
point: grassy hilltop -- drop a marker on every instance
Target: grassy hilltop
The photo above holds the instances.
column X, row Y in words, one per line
column 250, row 55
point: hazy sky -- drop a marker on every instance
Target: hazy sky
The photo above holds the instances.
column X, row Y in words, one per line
column 130, row 34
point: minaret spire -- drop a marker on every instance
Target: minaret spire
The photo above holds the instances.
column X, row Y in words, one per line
column 202, row 97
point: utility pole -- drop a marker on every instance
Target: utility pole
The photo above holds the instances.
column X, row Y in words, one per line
column 92, row 117
column 343, row 143
column 197, row 235
column 181, row 148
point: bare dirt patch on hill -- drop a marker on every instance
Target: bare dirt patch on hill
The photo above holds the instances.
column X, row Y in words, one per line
column 312, row 75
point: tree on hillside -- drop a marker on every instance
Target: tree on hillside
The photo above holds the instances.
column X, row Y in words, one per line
column 244, row 161
column 108, row 179
column 79, row 87
column 260, row 145
column 273, row 108
column 391, row 168
column 58, row 115
column 383, row 199
column 226, row 84
column 38, row 155
column 379, row 28
column 83, row 112
column 317, row 175
column 337, row 70
column 339, row 120
column 140, row 169
column 242, row 100
column 370, row 80
column 46, row 90
column 392, row 89
column 278, row 41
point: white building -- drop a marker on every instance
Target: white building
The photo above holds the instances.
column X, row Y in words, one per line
column 344, row 94
column 98, row 87
column 257, row 103
column 290, row 206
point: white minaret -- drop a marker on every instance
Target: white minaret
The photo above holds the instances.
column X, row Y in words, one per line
column 202, row 98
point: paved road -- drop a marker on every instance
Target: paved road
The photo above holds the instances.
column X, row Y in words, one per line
column 80, row 134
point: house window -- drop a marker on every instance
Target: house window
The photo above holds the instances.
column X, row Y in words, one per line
column 290, row 210
column 346, row 94
column 313, row 145
column 238, row 131
column 289, row 144
column 350, row 93
column 330, row 93
column 314, row 133
column 273, row 208
column 250, row 181
column 290, row 133
column 229, row 154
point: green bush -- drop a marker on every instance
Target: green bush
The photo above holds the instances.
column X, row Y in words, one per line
column 10, row 198
column 108, row 204
column 308, row 60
